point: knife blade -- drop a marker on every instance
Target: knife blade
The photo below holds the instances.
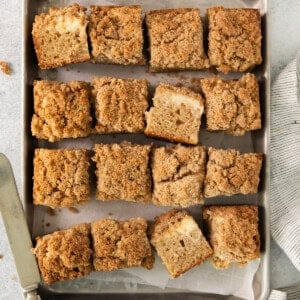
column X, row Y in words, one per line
column 17, row 231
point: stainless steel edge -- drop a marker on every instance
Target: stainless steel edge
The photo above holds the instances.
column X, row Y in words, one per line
column 266, row 267
column 23, row 101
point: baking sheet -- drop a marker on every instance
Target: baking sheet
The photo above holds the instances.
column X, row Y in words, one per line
column 237, row 281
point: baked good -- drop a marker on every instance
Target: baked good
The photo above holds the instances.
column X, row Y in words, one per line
column 179, row 242
column 120, row 104
column 229, row 172
column 121, row 244
column 123, row 172
column 61, row 110
column 175, row 115
column 178, row 175
column 60, row 36
column 116, row 34
column 232, row 106
column 176, row 40
column 234, row 38
column 5, row 68
column 60, row 177
column 64, row 254
column 233, row 234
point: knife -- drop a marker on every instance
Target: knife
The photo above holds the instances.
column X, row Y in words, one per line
column 17, row 231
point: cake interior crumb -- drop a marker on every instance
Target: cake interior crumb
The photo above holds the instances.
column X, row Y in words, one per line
column 1, row 256
column 50, row 211
column 73, row 210
column 5, row 68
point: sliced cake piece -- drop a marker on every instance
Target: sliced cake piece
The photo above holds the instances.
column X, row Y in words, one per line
column 234, row 39
column 60, row 177
column 61, row 110
column 178, row 175
column 233, row 234
column 116, row 34
column 121, row 244
column 64, row 254
column 179, row 242
column 123, row 172
column 175, row 115
column 60, row 37
column 229, row 172
column 120, row 104
column 232, row 106
column 176, row 40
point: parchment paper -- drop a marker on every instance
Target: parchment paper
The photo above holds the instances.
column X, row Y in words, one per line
column 236, row 281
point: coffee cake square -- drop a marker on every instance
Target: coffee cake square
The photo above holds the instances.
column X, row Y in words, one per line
column 123, row 172
column 120, row 104
column 60, row 177
column 116, row 34
column 178, row 175
column 233, row 234
column 64, row 254
column 61, row 110
column 179, row 242
column 234, row 39
column 121, row 244
column 230, row 172
column 232, row 106
column 60, row 37
column 176, row 40
column 175, row 115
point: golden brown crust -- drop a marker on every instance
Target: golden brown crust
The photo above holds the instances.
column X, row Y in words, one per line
column 4, row 67
column 123, row 172
column 61, row 110
column 60, row 177
column 234, row 234
column 179, row 242
column 60, row 37
column 176, row 40
column 175, row 115
column 121, row 244
column 116, row 34
column 234, row 38
column 120, row 104
column 229, row 172
column 232, row 106
column 178, row 175
column 64, row 254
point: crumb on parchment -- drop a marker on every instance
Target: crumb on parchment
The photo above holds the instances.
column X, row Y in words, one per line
column 4, row 66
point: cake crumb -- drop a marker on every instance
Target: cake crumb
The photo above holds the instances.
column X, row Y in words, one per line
column 73, row 210
column 5, row 69
column 195, row 84
column 50, row 211
column 1, row 256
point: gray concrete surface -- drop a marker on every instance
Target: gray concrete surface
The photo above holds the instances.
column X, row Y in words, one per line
column 285, row 42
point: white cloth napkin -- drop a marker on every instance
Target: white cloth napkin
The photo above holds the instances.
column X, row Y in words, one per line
column 285, row 161
column 289, row 293
column 285, row 169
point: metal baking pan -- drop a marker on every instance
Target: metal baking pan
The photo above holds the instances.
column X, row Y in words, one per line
column 257, row 141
